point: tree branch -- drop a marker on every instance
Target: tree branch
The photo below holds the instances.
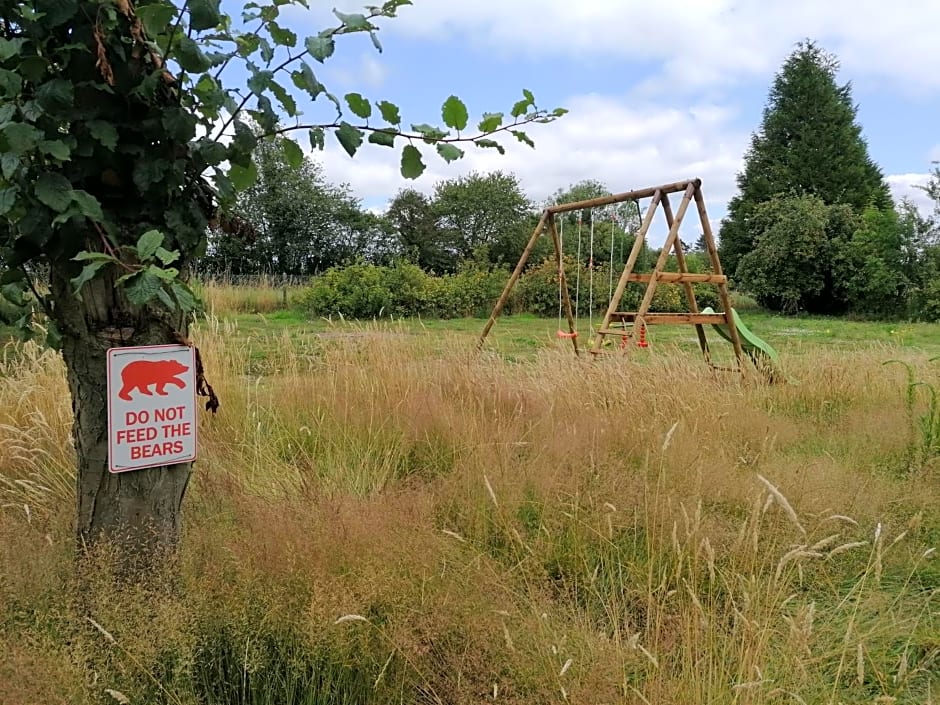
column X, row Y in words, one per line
column 529, row 119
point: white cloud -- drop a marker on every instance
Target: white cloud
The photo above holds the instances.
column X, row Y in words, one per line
column 369, row 72
column 625, row 147
column 700, row 43
column 906, row 186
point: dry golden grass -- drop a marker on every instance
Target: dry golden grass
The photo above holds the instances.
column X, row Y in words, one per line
column 223, row 298
column 373, row 519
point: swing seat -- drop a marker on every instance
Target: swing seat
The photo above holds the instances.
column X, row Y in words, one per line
column 563, row 334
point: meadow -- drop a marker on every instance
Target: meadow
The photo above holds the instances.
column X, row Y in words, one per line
column 382, row 514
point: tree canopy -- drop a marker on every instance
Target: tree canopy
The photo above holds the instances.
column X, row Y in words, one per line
column 809, row 143
column 126, row 129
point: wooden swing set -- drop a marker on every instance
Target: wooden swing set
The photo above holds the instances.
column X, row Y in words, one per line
column 625, row 324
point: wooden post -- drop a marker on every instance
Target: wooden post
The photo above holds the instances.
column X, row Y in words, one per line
column 563, row 282
column 627, row 271
column 664, row 253
column 716, row 268
column 686, row 284
column 514, row 278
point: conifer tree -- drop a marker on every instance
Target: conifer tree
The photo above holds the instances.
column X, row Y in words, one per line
column 809, row 143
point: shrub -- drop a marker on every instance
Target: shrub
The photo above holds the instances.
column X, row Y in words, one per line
column 369, row 291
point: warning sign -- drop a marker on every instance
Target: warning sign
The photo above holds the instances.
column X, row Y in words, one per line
column 151, row 406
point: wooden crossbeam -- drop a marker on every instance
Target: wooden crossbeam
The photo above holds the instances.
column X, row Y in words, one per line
column 680, row 278
column 653, row 319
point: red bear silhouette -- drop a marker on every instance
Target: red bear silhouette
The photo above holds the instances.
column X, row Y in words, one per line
column 141, row 374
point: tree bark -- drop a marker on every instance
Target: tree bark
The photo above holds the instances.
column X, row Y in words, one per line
column 138, row 513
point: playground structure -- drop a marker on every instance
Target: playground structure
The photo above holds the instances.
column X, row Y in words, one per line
column 625, row 324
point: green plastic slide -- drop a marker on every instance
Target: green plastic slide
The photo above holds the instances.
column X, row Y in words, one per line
column 760, row 351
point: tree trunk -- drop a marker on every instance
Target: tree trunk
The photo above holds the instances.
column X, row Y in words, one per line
column 139, row 513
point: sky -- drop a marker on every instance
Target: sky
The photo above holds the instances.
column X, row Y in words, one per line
column 656, row 93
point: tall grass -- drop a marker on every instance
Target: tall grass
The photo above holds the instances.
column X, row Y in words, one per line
column 374, row 519
column 224, row 297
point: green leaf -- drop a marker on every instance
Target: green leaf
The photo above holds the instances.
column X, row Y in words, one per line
column 7, row 111
column 184, row 296
column 431, row 134
column 54, row 190
column 259, row 81
column 10, row 83
column 148, row 243
column 165, row 299
column 267, row 51
column 87, row 274
column 166, row 256
column 10, row 47
column 167, row 275
column 523, row 137
column 88, row 205
column 211, row 151
column 12, row 276
column 33, row 68
column 490, row 122
column 359, row 105
column 204, row 14
column 104, row 132
column 9, row 163
column 354, row 22
column 14, row 293
column 411, row 165
column 142, row 288
column 317, row 138
column 390, row 112
column 56, row 12
column 243, row 177
column 306, row 80
column 528, row 96
column 21, row 138
column 490, row 144
column 180, row 125
column 190, row 56
column 55, row 149
column 7, row 199
column 350, row 137
column 156, row 17
column 281, row 36
column 455, row 114
column 383, row 138
column 285, row 99
column 148, row 172
column 293, row 153
column 56, row 95
column 89, row 256
column 520, row 108
column 320, row 48
column 449, row 152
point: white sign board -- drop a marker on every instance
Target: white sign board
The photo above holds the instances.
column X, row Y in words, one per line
column 151, row 406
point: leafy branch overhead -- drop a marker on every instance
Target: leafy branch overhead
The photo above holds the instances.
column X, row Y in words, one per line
column 132, row 132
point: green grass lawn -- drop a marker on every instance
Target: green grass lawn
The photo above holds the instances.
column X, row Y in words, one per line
column 522, row 335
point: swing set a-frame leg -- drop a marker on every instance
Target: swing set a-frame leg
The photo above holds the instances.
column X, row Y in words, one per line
column 627, row 271
column 563, row 283
column 689, row 289
column 517, row 272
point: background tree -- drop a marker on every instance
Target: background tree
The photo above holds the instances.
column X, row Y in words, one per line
column 809, row 143
column 420, row 240
column 300, row 223
column 478, row 210
column 120, row 144
column 788, row 263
